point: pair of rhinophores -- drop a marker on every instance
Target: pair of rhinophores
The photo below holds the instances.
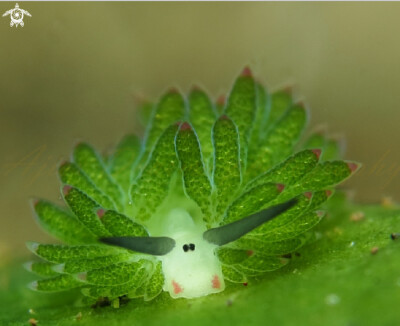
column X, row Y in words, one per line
column 190, row 266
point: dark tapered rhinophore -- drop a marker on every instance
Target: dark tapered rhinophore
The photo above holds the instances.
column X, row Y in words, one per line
column 157, row 246
column 233, row 231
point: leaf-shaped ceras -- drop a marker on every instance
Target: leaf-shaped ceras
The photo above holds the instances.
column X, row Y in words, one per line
column 211, row 194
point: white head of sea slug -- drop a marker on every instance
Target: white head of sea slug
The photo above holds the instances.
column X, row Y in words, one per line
column 188, row 254
column 191, row 269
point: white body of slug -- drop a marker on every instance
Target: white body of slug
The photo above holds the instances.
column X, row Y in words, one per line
column 190, row 272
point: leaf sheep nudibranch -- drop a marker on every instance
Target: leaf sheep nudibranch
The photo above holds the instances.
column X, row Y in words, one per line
column 213, row 193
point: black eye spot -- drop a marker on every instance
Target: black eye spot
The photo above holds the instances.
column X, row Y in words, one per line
column 192, row 246
column 185, row 247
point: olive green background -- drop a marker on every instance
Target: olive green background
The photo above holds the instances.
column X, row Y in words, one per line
column 75, row 71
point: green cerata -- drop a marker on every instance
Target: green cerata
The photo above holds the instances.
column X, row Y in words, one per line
column 213, row 193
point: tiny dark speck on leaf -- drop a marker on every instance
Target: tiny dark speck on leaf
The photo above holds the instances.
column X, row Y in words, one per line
column 395, row 236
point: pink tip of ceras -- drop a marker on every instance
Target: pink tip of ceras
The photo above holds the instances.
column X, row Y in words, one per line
column 352, row 166
column 224, row 117
column 300, row 105
column 320, row 214
column 173, row 90
column 328, row 193
column 308, row 194
column 317, row 153
column 177, row 287
column 79, row 143
column 195, row 88
column 246, row 72
column 100, row 212
column 35, row 201
column 288, row 89
column 245, row 284
column 216, row 284
column 185, row 126
column 63, row 162
column 250, row 253
column 280, row 187
column 221, row 100
column 66, row 189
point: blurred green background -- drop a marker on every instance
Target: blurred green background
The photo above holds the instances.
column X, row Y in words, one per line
column 75, row 71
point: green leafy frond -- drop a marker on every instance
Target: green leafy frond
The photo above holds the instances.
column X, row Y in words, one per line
column 85, row 209
column 296, row 227
column 170, row 109
column 332, row 147
column 61, row 223
column 155, row 283
column 41, row 268
column 123, row 160
column 120, row 225
column 56, row 284
column 294, row 221
column 325, row 175
column 241, row 108
column 227, row 174
column 202, row 115
column 90, row 163
column 281, row 101
column 151, row 187
column 116, row 274
column 259, row 125
column 196, row 182
column 112, row 292
column 280, row 140
column 62, row 253
column 258, row 264
column 315, row 140
column 233, row 274
column 271, row 248
column 252, row 201
column 230, row 256
column 84, row 265
column 318, row 198
column 290, row 171
column 71, row 175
